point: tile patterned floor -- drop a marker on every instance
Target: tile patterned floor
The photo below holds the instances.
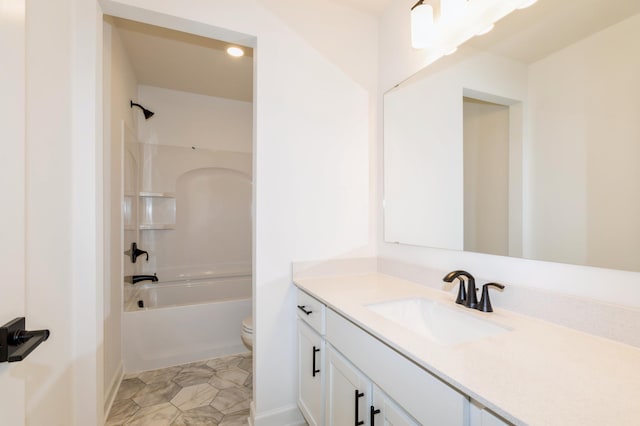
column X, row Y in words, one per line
column 213, row 393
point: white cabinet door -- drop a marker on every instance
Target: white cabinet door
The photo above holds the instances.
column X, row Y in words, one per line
column 385, row 412
column 348, row 392
column 480, row 416
column 310, row 374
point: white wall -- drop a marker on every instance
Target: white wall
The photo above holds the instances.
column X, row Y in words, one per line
column 63, row 219
column 585, row 149
column 188, row 119
column 12, row 186
column 120, row 86
column 397, row 62
column 424, row 144
column 313, row 104
column 486, row 177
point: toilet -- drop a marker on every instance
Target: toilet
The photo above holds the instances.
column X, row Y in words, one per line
column 247, row 332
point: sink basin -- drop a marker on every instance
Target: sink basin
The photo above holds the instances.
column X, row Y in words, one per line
column 435, row 321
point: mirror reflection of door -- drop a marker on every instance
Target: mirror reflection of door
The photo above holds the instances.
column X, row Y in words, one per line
column 486, row 177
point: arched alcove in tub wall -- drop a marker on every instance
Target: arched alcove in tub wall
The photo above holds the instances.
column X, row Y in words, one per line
column 200, row 212
column 213, row 224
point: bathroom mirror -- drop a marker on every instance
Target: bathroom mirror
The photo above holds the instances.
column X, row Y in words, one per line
column 525, row 142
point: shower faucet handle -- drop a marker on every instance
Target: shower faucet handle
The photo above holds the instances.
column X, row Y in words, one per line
column 135, row 252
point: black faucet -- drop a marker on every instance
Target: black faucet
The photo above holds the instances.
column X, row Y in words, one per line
column 135, row 252
column 485, row 303
column 468, row 299
column 138, row 278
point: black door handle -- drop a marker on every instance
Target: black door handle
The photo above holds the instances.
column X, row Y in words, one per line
column 302, row 308
column 372, row 415
column 358, row 396
column 314, row 361
column 16, row 342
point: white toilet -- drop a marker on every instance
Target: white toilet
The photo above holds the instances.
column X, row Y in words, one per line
column 247, row 332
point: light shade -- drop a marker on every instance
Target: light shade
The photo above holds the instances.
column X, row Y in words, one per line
column 422, row 28
column 452, row 9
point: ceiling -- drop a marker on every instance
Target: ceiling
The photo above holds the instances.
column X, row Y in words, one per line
column 531, row 34
column 372, row 7
column 180, row 61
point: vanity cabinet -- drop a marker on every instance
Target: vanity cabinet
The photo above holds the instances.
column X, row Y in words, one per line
column 421, row 395
column 359, row 375
column 311, row 358
column 480, row 416
column 353, row 398
column 311, row 350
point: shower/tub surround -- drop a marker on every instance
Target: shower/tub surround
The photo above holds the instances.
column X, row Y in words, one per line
column 194, row 218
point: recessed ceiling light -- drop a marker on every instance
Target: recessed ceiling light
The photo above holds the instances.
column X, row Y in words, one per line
column 235, row 51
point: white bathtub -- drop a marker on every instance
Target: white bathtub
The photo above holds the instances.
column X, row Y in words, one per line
column 184, row 321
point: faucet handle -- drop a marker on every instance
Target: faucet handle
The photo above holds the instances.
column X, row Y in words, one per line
column 462, row 293
column 485, row 302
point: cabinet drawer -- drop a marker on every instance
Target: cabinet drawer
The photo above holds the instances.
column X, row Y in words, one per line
column 425, row 397
column 311, row 311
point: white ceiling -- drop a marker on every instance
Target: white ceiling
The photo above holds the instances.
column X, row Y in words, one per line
column 373, row 7
column 181, row 61
column 549, row 25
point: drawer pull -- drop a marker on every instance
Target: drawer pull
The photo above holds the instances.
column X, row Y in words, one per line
column 302, row 308
column 315, row 371
column 358, row 396
column 373, row 415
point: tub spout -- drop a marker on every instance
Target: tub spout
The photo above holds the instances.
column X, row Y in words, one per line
column 138, row 278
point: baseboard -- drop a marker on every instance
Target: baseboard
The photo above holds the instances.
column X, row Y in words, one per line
column 110, row 395
column 285, row 416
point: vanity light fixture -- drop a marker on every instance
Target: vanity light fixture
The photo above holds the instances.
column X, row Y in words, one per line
column 235, row 51
column 422, row 26
column 450, row 10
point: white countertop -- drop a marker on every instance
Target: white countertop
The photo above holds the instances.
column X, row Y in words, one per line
column 538, row 373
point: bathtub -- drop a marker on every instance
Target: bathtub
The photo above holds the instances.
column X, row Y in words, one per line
column 173, row 323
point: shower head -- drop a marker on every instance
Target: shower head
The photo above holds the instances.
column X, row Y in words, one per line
column 147, row 114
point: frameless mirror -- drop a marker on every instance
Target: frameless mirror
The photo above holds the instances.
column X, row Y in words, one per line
column 525, row 142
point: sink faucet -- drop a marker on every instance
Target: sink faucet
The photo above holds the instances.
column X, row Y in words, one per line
column 138, row 278
column 468, row 299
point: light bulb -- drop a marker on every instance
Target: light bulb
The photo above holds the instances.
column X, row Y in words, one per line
column 422, row 29
column 235, row 51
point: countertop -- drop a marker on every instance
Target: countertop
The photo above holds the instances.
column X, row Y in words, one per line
column 537, row 373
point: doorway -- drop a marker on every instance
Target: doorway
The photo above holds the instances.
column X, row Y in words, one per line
column 171, row 179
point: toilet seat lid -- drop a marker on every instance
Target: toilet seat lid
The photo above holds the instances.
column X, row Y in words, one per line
column 247, row 324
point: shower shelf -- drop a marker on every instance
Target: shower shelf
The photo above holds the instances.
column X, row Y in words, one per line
column 156, row 226
column 158, row 194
